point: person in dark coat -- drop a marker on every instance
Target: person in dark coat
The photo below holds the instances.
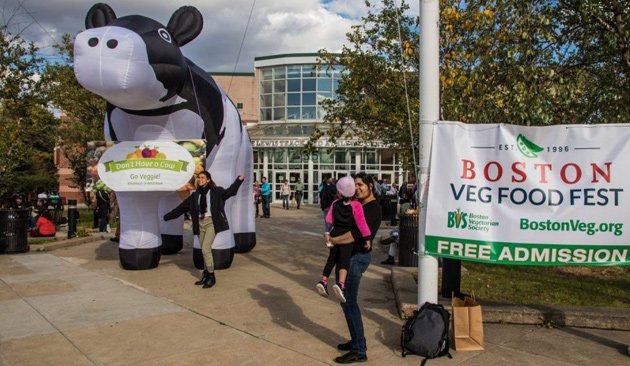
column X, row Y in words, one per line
column 102, row 206
column 207, row 210
column 326, row 198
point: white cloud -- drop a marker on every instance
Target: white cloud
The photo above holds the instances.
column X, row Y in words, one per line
column 277, row 26
column 353, row 9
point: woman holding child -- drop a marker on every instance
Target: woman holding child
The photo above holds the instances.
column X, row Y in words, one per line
column 359, row 262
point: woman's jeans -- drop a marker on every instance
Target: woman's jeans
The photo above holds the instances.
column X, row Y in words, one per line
column 285, row 201
column 358, row 265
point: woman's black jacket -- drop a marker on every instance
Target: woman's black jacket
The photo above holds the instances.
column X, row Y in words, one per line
column 218, row 196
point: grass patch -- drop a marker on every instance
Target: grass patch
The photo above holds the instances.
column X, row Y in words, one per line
column 523, row 285
column 86, row 219
column 40, row 240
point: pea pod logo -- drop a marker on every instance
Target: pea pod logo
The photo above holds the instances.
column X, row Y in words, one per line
column 526, row 147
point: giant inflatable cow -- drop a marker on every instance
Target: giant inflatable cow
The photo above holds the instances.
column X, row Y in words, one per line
column 153, row 92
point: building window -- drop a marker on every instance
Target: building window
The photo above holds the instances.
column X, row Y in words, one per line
column 239, row 105
column 296, row 92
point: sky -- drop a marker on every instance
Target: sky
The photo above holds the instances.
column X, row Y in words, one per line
column 276, row 26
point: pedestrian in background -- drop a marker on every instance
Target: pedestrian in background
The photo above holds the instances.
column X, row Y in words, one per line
column 44, row 226
column 257, row 197
column 265, row 194
column 299, row 192
column 102, row 205
column 392, row 195
column 326, row 198
column 285, row 192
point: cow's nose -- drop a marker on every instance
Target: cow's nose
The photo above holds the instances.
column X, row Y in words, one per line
column 92, row 42
column 112, row 43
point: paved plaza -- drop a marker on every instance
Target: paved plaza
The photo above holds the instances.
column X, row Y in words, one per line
column 76, row 306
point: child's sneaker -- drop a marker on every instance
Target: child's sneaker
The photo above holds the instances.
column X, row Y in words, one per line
column 322, row 288
column 339, row 291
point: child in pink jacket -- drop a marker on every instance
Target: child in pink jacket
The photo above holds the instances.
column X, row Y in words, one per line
column 344, row 215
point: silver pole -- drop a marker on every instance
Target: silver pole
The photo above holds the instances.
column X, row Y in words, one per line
column 429, row 74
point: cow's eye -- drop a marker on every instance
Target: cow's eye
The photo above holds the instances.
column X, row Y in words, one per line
column 164, row 35
column 92, row 42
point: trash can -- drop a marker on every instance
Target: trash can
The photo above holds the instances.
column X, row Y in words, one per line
column 451, row 277
column 14, row 226
column 408, row 240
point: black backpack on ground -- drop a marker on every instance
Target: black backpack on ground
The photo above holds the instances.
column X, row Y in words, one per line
column 426, row 333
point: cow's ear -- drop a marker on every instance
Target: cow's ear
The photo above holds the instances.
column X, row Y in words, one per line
column 99, row 15
column 185, row 24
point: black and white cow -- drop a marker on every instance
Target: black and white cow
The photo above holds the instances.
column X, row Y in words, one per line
column 155, row 93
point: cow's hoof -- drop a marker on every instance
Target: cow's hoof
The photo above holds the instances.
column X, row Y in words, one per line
column 222, row 258
column 139, row 259
column 172, row 244
column 244, row 242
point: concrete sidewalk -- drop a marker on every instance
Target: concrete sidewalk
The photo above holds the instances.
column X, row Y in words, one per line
column 76, row 306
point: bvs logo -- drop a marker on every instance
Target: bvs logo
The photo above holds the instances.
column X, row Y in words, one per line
column 457, row 219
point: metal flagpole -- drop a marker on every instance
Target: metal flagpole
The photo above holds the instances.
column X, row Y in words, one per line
column 429, row 74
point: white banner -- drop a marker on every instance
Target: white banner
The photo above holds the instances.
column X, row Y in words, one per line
column 556, row 195
column 145, row 165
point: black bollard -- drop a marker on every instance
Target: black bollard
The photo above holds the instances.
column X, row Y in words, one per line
column 451, row 277
column 73, row 216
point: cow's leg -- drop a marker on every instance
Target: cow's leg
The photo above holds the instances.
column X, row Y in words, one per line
column 140, row 242
column 242, row 218
column 222, row 255
column 172, row 231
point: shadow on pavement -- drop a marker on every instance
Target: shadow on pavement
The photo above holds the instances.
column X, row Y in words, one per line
column 620, row 347
column 289, row 315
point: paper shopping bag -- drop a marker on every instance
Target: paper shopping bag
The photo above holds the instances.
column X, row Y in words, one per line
column 467, row 324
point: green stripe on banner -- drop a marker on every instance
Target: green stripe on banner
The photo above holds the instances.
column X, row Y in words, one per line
column 527, row 253
column 172, row 165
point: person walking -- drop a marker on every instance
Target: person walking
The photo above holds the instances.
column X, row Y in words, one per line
column 265, row 194
column 359, row 262
column 207, row 210
column 299, row 192
column 285, row 192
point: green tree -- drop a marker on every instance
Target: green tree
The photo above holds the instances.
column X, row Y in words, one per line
column 599, row 33
column 83, row 112
column 380, row 78
column 27, row 128
column 533, row 62
column 501, row 62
